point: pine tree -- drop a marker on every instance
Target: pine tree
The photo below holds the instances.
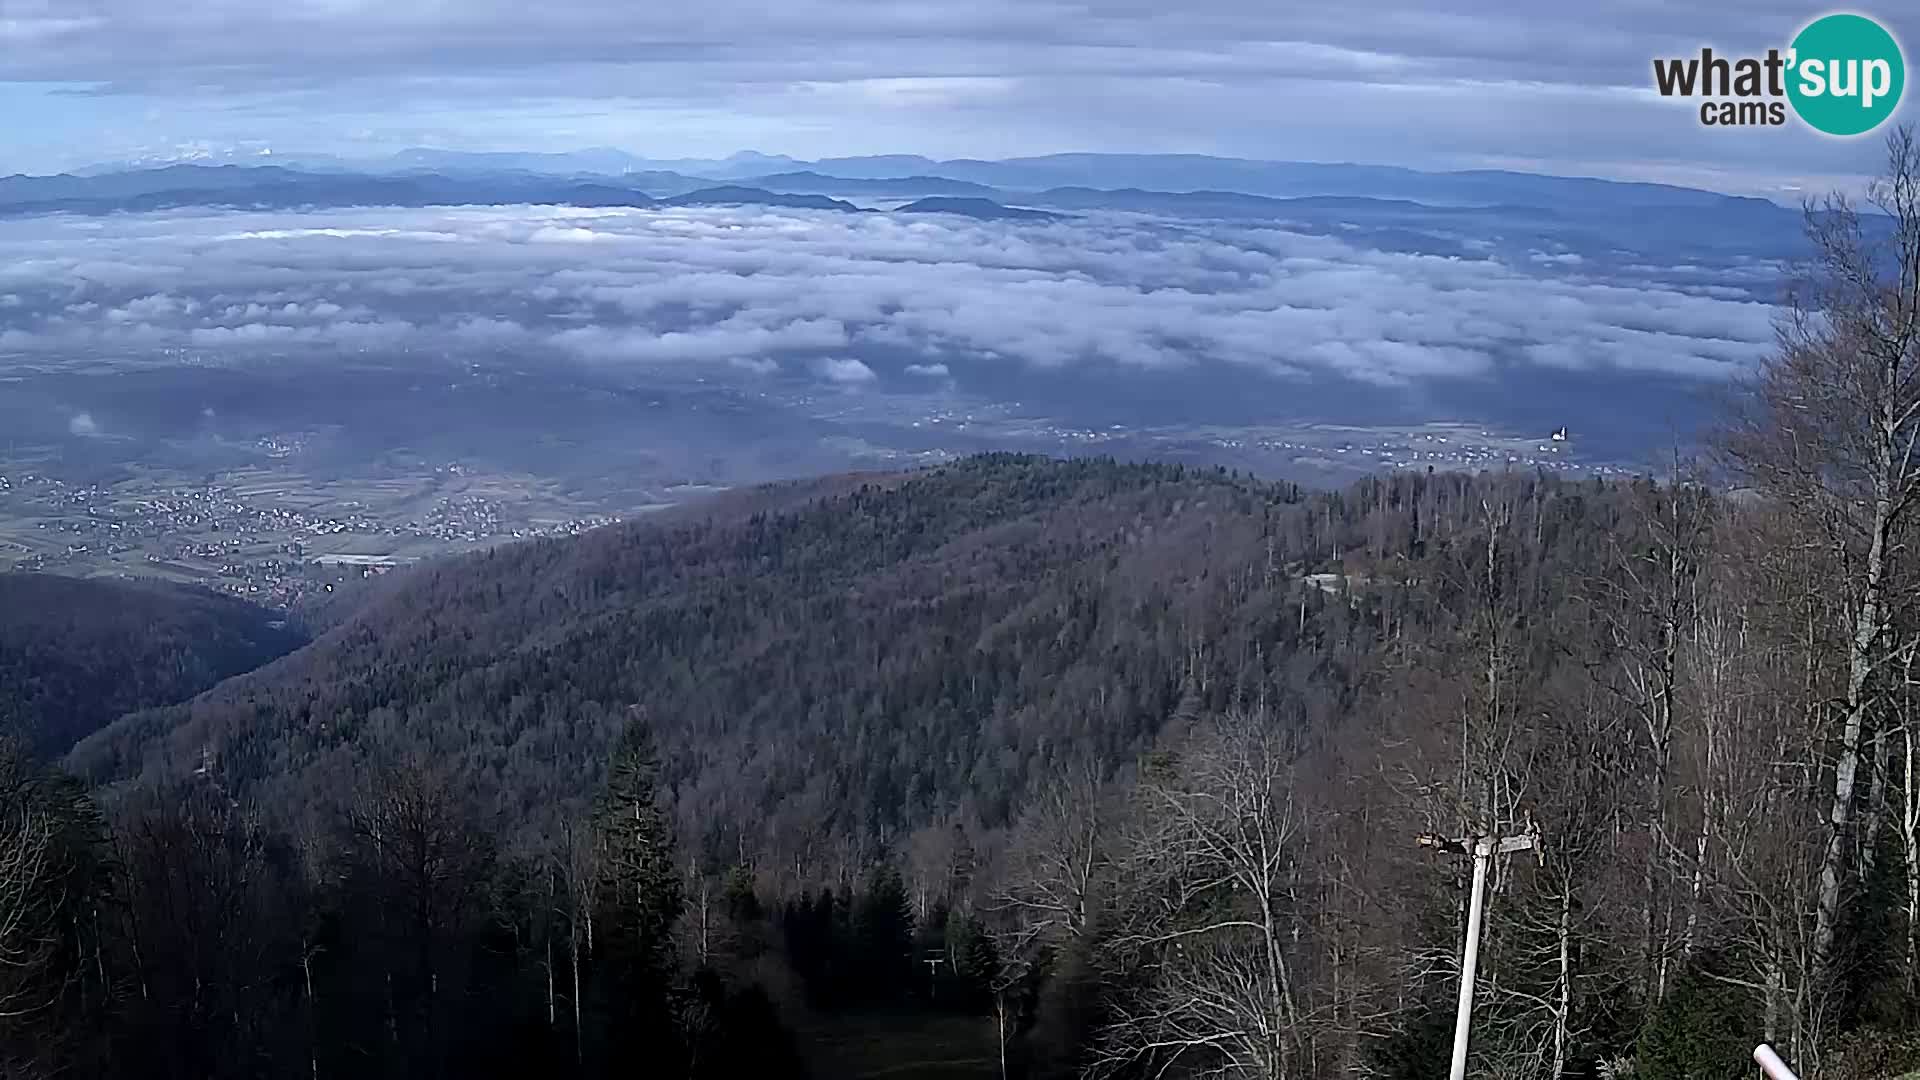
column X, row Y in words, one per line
column 636, row 901
column 639, row 888
column 883, row 923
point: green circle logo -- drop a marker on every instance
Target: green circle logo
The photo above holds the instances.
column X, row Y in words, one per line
column 1845, row 74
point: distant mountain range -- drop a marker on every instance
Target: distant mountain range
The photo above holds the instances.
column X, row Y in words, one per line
column 892, row 186
column 983, row 209
column 597, row 160
column 275, row 187
column 1379, row 197
column 911, row 176
column 740, row 195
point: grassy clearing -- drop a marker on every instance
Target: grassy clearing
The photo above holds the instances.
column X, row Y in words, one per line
column 873, row 1045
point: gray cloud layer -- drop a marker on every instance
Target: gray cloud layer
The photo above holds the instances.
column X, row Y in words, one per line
column 843, row 299
column 237, row 42
column 1564, row 87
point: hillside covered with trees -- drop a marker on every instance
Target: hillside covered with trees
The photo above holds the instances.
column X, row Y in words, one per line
column 77, row 653
column 1116, row 769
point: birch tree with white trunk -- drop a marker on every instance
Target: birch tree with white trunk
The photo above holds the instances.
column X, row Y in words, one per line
column 1220, row 919
column 1829, row 433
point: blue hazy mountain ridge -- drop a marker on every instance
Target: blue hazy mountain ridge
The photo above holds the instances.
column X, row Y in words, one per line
column 905, row 186
column 276, row 187
column 1194, row 172
column 1238, row 203
column 602, row 161
column 1521, row 218
column 1726, row 224
column 19, row 189
column 737, row 195
column 1371, row 190
column 1161, row 172
column 979, row 209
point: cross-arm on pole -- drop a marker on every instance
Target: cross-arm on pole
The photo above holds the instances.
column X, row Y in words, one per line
column 1510, row 844
column 1482, row 849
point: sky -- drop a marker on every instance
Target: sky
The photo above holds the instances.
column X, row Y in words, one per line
column 1561, row 88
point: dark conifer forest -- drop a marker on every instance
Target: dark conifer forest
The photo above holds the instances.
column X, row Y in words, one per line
column 1023, row 767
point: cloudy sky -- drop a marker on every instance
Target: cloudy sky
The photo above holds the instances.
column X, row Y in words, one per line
column 1504, row 83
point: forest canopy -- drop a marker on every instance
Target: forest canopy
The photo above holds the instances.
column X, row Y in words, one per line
column 76, row 653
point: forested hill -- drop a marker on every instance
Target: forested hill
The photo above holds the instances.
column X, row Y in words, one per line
column 77, row 653
column 1102, row 739
column 849, row 665
column 825, row 678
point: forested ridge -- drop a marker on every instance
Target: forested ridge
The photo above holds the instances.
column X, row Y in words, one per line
column 77, row 653
column 1038, row 768
column 853, row 668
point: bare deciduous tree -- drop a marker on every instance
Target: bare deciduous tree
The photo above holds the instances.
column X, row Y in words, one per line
column 1829, row 434
column 1649, row 604
column 422, row 859
column 27, row 920
column 1054, row 862
column 1221, row 913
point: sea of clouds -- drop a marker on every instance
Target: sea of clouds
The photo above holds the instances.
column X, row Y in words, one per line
column 854, row 299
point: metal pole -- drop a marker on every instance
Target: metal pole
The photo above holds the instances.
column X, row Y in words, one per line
column 1771, row 1064
column 1470, row 958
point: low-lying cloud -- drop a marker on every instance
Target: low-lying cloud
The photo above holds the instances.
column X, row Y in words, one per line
column 844, row 299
